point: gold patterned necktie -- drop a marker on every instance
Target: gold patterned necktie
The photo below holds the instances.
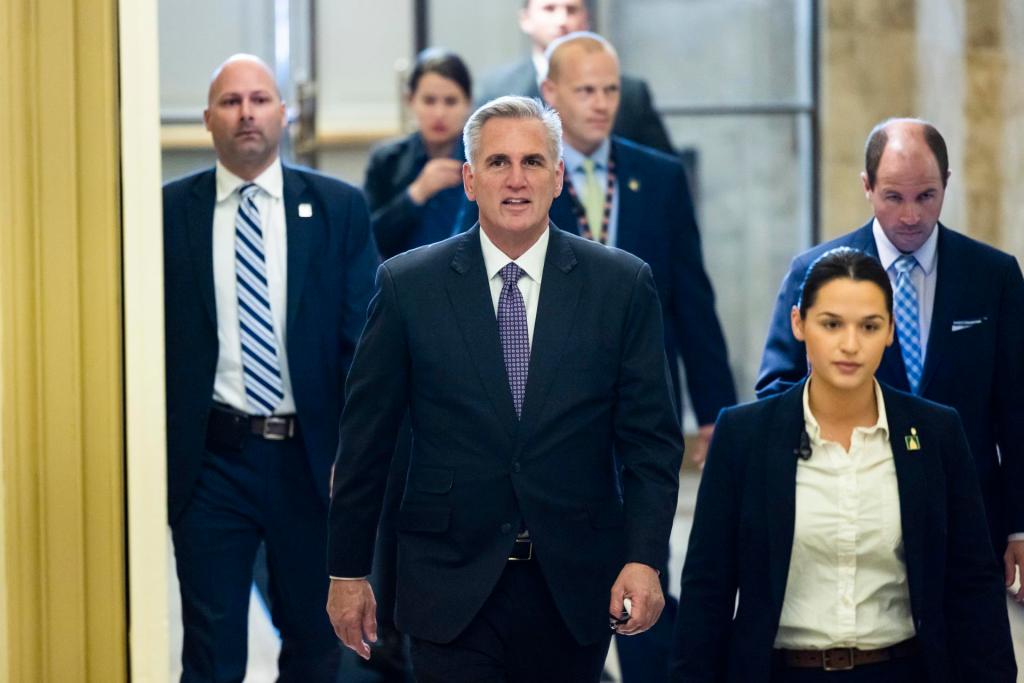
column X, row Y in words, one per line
column 592, row 198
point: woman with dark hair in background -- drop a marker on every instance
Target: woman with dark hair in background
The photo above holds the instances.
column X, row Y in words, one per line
column 848, row 518
column 414, row 184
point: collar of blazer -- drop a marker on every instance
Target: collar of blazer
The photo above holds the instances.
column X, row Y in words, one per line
column 470, row 295
column 300, row 234
column 780, row 481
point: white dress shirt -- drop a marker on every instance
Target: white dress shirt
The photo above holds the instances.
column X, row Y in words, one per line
column 847, row 583
column 532, row 263
column 924, row 277
column 229, row 385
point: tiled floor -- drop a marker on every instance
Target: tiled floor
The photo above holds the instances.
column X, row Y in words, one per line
column 264, row 645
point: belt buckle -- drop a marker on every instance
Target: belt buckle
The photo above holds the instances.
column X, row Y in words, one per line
column 271, row 421
column 529, row 555
column 828, row 666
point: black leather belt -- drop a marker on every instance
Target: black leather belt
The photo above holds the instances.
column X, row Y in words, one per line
column 522, row 550
column 846, row 658
column 228, row 428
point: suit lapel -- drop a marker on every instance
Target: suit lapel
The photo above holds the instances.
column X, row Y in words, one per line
column 470, row 297
column 780, row 493
column 629, row 217
column 301, row 233
column 910, row 478
column 947, row 298
column 200, row 237
column 556, row 311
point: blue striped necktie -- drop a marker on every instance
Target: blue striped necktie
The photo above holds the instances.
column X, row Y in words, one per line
column 260, row 368
column 907, row 325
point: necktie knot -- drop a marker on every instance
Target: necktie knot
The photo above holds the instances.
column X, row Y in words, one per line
column 588, row 167
column 905, row 263
column 249, row 190
column 511, row 273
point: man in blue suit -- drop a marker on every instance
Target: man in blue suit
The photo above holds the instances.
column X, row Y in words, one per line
column 268, row 271
column 636, row 198
column 545, row 450
column 960, row 330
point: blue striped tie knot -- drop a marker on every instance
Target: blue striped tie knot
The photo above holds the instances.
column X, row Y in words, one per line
column 908, row 327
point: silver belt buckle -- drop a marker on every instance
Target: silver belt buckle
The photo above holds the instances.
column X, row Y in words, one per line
column 828, row 666
column 274, row 420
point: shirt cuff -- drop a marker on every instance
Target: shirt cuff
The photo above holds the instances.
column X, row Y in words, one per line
column 363, row 578
column 1016, row 537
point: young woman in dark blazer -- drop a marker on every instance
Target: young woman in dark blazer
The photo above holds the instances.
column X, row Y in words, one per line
column 846, row 516
column 414, row 184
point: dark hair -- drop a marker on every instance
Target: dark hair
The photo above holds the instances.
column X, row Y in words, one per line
column 879, row 138
column 444, row 63
column 843, row 262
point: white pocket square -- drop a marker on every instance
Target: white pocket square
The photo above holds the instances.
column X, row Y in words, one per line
column 964, row 324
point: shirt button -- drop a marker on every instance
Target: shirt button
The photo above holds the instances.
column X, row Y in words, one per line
column 516, row 467
column 506, row 528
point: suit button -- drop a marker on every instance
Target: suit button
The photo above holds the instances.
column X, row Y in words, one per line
column 516, row 467
column 506, row 528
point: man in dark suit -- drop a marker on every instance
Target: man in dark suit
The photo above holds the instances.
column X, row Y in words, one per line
column 637, row 199
column 268, row 272
column 544, row 21
column 960, row 338
column 545, row 457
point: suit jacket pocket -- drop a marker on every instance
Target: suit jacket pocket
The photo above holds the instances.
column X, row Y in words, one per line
column 424, row 519
column 606, row 516
column 432, row 479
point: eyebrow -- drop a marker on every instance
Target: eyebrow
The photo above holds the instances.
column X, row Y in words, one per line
column 873, row 316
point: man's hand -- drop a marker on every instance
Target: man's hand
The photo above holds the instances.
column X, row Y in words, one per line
column 353, row 613
column 700, row 448
column 1014, row 558
column 639, row 583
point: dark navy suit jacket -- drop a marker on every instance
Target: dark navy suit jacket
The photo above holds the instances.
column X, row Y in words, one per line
column 637, row 119
column 392, row 168
column 597, row 385
column 742, row 539
column 331, row 259
column 656, row 221
column 974, row 361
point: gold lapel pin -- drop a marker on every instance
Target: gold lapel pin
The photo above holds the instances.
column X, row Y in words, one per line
column 634, row 184
column 913, row 443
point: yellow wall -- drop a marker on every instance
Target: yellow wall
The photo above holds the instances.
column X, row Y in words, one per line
column 61, row 428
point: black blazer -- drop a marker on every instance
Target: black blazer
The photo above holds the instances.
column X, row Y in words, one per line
column 974, row 361
column 637, row 119
column 392, row 168
column 597, row 383
column 742, row 539
column 331, row 258
column 657, row 222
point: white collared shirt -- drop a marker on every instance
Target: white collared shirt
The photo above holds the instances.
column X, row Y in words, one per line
column 847, row 583
column 228, row 385
column 532, row 263
column 924, row 277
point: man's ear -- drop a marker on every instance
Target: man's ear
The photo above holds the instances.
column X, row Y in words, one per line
column 547, row 91
column 866, row 184
column 467, row 182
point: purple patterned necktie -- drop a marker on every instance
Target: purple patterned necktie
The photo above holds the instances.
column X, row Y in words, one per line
column 515, row 338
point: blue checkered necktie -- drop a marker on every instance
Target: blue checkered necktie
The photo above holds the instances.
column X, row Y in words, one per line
column 907, row 325
column 260, row 368
column 515, row 337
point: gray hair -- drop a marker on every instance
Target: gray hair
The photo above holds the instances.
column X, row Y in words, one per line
column 512, row 107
